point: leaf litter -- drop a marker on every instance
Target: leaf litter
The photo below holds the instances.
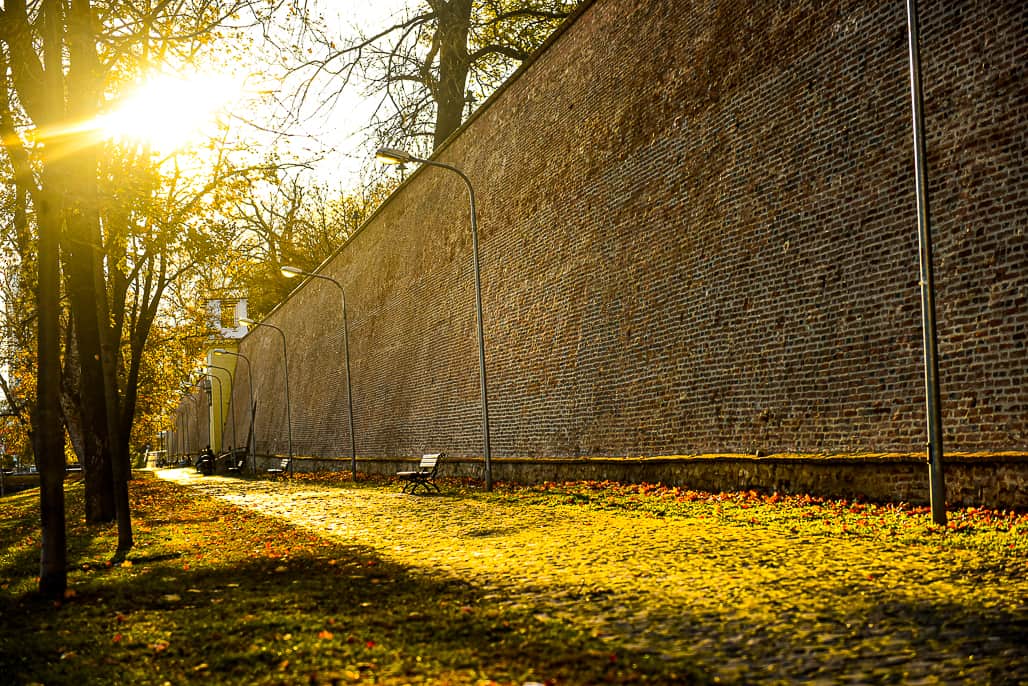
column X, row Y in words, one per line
column 561, row 583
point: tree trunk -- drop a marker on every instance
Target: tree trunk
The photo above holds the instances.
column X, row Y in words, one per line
column 87, row 290
column 49, row 437
column 96, row 467
column 454, row 18
column 49, row 434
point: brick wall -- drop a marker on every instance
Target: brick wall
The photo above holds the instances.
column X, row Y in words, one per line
column 698, row 235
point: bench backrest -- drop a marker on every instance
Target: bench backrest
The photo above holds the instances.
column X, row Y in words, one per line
column 429, row 463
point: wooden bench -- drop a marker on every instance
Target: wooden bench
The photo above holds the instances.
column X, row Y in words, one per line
column 282, row 468
column 236, row 460
column 423, row 476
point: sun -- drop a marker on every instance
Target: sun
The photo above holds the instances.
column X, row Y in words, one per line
column 168, row 111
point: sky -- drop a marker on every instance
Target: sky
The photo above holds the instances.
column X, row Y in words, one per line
column 342, row 129
column 171, row 110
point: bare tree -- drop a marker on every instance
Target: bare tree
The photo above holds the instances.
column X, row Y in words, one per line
column 293, row 223
column 428, row 68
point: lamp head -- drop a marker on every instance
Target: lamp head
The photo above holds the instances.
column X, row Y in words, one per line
column 394, row 156
column 290, row 272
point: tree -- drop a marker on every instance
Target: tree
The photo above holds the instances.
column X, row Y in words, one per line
column 429, row 66
column 289, row 224
column 62, row 60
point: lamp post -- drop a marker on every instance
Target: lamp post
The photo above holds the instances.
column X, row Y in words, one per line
column 290, row 272
column 285, row 371
column 196, row 419
column 231, row 386
column 221, row 403
column 392, row 156
column 933, row 399
column 253, row 408
column 183, row 439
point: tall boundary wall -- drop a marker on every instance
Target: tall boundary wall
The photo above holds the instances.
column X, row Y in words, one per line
column 698, row 237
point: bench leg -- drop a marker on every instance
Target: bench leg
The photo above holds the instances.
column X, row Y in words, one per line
column 424, row 485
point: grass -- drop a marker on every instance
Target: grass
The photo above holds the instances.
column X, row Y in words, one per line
column 213, row 593
column 971, row 528
column 317, row 580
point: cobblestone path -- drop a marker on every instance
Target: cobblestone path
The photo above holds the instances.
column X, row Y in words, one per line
column 746, row 604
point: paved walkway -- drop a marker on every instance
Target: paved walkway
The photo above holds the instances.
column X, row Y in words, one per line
column 746, row 604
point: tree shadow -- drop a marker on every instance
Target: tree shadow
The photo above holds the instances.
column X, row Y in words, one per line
column 322, row 616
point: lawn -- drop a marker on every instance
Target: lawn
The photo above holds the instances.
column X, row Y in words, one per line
column 317, row 580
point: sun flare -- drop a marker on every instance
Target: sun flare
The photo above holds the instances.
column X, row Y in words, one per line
column 167, row 111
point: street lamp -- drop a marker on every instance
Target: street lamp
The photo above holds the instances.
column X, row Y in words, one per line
column 253, row 407
column 231, row 386
column 291, row 272
column 221, row 402
column 393, row 156
column 933, row 397
column 183, row 439
column 285, row 369
column 196, row 406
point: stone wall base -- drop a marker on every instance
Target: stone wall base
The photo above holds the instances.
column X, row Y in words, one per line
column 997, row 481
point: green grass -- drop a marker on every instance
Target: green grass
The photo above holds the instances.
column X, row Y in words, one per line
column 214, row 594
column 971, row 528
column 317, row 580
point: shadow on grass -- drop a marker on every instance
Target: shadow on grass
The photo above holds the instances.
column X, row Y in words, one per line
column 256, row 612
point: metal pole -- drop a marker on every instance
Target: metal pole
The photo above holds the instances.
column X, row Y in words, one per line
column 221, row 404
column 349, row 392
column 184, row 442
column 487, row 453
column 933, row 402
column 232, row 405
column 285, row 369
column 253, row 408
column 393, row 156
column 346, row 362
